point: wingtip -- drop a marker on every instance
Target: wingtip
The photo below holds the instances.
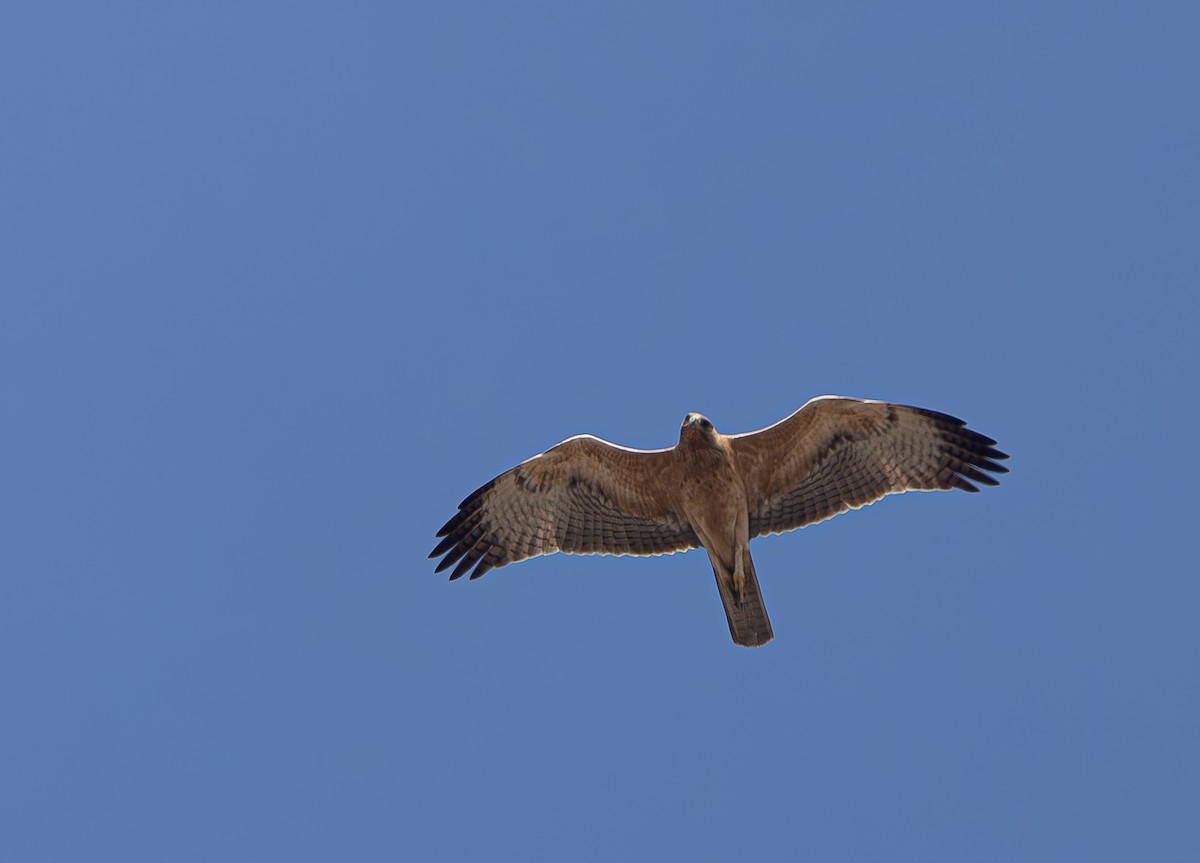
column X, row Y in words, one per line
column 483, row 567
column 465, row 565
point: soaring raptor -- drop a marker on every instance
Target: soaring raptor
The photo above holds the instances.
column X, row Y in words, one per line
column 589, row 496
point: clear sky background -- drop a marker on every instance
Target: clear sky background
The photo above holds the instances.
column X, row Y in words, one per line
column 282, row 283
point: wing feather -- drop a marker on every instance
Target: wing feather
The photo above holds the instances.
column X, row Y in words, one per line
column 837, row 454
column 584, row 496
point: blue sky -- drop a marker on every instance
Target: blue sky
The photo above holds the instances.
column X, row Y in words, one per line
column 283, row 282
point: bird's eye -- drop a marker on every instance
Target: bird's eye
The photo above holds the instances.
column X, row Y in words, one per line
column 706, row 425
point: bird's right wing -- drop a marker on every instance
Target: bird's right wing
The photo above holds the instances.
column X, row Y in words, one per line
column 584, row 496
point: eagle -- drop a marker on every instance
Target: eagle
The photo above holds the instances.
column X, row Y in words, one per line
column 714, row 491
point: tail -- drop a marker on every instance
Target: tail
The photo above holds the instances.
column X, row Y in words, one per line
column 747, row 616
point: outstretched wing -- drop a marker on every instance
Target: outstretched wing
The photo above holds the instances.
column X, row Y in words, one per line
column 836, row 454
column 584, row 496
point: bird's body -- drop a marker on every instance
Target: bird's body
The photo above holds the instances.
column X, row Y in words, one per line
column 588, row 496
column 712, row 497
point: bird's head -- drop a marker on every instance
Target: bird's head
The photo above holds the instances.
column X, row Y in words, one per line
column 696, row 424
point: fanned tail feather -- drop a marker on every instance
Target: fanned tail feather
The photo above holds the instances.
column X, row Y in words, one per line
column 748, row 622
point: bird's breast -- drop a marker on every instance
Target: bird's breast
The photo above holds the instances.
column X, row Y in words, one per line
column 710, row 490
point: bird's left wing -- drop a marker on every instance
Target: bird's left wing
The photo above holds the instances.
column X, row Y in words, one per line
column 836, row 454
column 584, row 496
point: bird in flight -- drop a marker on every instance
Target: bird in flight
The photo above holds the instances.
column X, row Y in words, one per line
column 714, row 491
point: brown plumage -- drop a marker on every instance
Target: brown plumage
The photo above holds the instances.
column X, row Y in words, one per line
column 589, row 496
